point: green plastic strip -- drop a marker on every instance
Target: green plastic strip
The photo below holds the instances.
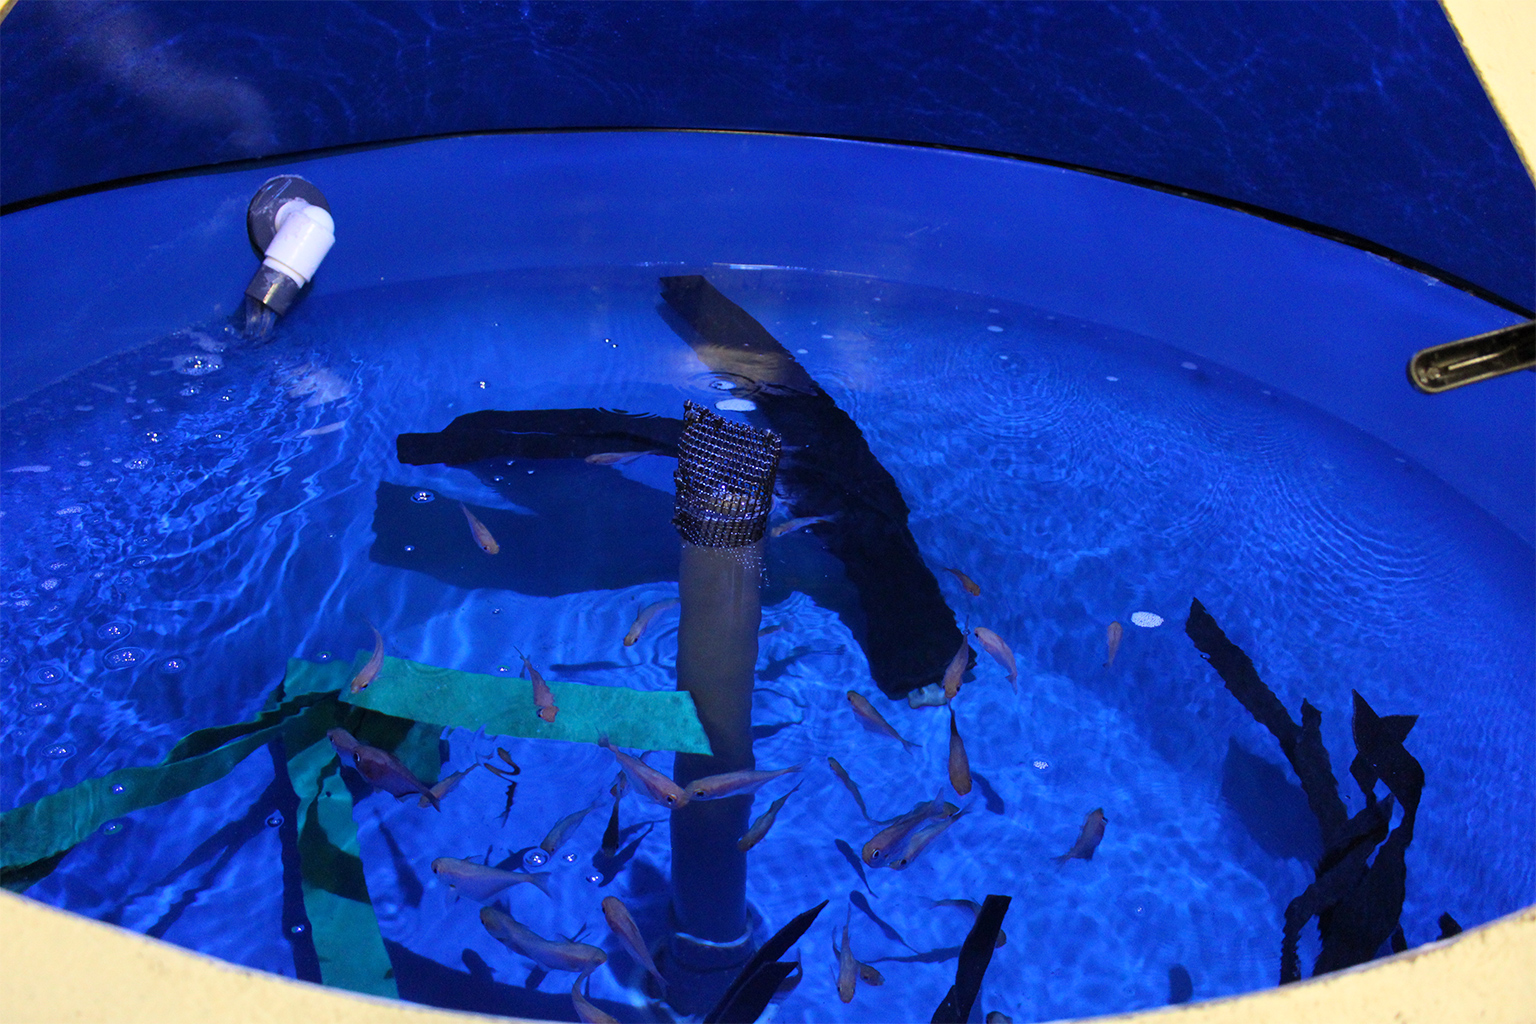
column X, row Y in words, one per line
column 58, row 821
column 342, row 923
column 642, row 719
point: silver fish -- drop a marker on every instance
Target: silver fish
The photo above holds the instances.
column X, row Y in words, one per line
column 480, row 882
column 718, row 787
column 847, row 968
column 955, row 673
column 1088, row 839
column 547, row 953
column 873, row 720
column 329, row 428
column 614, row 458
column 628, row 932
column 370, row 670
column 877, row 851
column 799, row 524
column 930, row 696
column 917, row 841
column 563, row 829
column 381, row 768
column 543, row 697
column 447, row 784
column 1112, row 634
column 760, row 827
column 868, row 974
column 643, row 620
column 853, row 788
column 481, row 534
column 993, row 645
column 965, row 581
column 648, row 780
column 385, row 771
column 585, row 1010
column 959, row 764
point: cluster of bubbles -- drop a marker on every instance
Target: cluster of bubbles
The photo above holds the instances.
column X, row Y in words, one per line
column 535, row 859
column 422, row 497
column 59, row 751
column 114, row 631
column 172, row 666
column 38, row 706
column 274, row 819
column 139, row 462
column 111, row 828
column 123, row 657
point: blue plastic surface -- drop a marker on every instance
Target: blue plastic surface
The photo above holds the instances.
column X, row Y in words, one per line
column 1320, row 320
column 1366, row 118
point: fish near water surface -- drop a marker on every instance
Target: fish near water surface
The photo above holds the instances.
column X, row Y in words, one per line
column 446, row 785
column 1112, row 636
column 959, row 764
column 915, row 842
column 623, row 925
column 954, row 674
column 873, row 720
column 380, row 768
column 965, row 581
column 564, row 827
column 480, row 882
column 718, row 787
column 764, row 822
column 1088, row 839
column 586, row 1011
column 479, row 532
column 799, row 524
column 847, row 967
column 994, row 645
column 614, row 458
column 550, row 954
column 543, row 697
column 370, row 669
column 643, row 620
column 656, row 786
column 877, row 851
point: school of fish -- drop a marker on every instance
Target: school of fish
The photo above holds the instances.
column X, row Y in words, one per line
column 896, row 844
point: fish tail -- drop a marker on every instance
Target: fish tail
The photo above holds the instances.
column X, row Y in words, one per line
column 430, row 797
column 541, row 879
column 1062, row 859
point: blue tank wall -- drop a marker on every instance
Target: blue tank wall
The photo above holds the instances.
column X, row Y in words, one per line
column 1363, row 117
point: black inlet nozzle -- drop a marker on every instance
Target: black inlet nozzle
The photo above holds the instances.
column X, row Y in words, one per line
column 1469, row 360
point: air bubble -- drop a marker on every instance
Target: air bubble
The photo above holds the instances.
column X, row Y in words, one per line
column 1040, row 764
column 51, row 583
column 119, row 788
column 409, row 548
column 139, row 562
column 114, row 631
column 422, row 497
column 38, row 705
column 721, row 385
column 535, row 859
column 324, row 655
column 569, row 858
column 57, row 566
column 46, row 675
column 189, row 391
column 297, row 929
column 59, row 751
column 123, row 657
column 153, row 436
column 595, row 877
column 111, row 828
column 274, row 819
column 139, row 462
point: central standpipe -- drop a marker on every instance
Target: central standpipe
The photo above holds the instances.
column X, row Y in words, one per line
column 724, row 482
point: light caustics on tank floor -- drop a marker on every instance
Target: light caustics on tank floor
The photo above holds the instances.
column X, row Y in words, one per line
column 337, row 656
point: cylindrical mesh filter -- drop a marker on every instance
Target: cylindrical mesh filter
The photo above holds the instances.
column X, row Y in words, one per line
column 724, row 479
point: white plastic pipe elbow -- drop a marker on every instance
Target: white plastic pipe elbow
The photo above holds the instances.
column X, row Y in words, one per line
column 305, row 233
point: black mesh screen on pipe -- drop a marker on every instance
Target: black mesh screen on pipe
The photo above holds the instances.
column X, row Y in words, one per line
column 724, row 479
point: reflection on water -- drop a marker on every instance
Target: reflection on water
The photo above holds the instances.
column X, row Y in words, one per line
column 170, row 539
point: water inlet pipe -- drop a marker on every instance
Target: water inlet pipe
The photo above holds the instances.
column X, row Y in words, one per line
column 291, row 228
column 724, row 492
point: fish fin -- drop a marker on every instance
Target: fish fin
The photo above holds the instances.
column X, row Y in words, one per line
column 1060, row 861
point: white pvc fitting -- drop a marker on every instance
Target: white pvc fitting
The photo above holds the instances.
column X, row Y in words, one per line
column 305, row 233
